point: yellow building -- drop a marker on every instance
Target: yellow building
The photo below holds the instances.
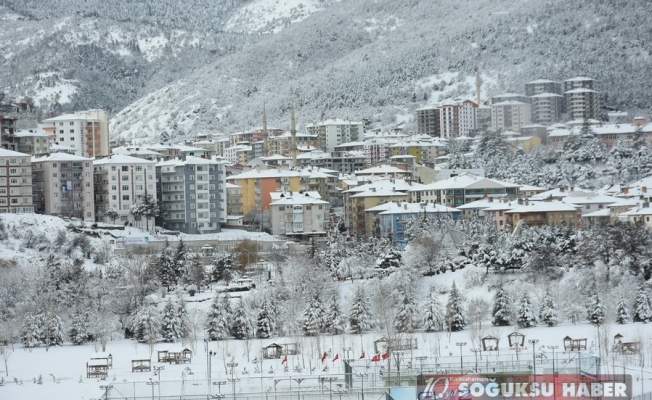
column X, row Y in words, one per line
column 256, row 186
column 524, row 142
column 408, row 149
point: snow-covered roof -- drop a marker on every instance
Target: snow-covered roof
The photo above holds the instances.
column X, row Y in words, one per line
column 349, row 144
column 558, row 193
column 31, row 133
column 265, row 173
column 415, row 208
column 276, row 157
column 541, row 81
column 10, row 153
column 399, row 185
column 466, row 181
column 60, row 157
column 381, row 169
column 477, row 205
column 509, row 103
column 232, row 186
column 605, row 212
column 122, row 159
column 190, row 160
column 578, row 79
column 581, row 90
column 546, row 95
column 380, row 192
column 296, row 198
column 530, row 188
column 66, row 117
column 577, row 198
column 336, row 121
column 134, row 151
column 541, row 206
column 638, row 211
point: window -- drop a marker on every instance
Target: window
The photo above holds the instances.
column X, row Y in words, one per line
column 71, row 123
column 125, row 187
column 308, row 207
column 125, row 177
column 72, row 131
column 125, row 168
column 54, row 175
column 139, row 167
column 125, row 197
column 114, row 187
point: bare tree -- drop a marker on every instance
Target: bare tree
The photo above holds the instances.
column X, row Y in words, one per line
column 5, row 354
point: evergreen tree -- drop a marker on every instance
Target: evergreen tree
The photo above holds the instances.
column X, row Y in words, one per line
column 78, row 333
column 334, row 322
column 642, row 308
column 184, row 323
column 224, row 268
column 264, row 324
column 526, row 317
column 594, row 307
column 405, row 320
column 30, row 335
column 313, row 317
column 242, row 328
column 218, row 318
column 501, row 313
column 171, row 326
column 548, row 310
column 53, row 331
column 164, row 264
column 359, row 315
column 146, row 324
column 179, row 260
column 433, row 317
column 622, row 312
column 454, row 311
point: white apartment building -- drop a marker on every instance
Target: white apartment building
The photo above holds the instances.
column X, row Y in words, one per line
column 238, row 154
column 32, row 141
column 120, row 181
column 457, row 118
column 333, row 132
column 301, row 214
column 62, row 184
column 85, row 131
column 510, row 115
column 15, row 182
column 193, row 190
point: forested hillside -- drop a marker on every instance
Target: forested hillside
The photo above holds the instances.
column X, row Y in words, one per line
column 378, row 59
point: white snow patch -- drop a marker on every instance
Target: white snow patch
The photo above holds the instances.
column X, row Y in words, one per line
column 270, row 16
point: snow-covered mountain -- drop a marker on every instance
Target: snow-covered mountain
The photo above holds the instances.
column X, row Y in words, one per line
column 201, row 65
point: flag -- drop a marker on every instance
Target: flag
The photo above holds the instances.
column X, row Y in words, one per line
column 385, row 356
column 337, row 357
column 362, row 355
column 376, row 357
column 284, row 360
column 323, row 358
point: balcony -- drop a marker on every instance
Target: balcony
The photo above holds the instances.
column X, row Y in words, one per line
column 49, row 128
column 93, row 135
column 93, row 151
column 91, row 127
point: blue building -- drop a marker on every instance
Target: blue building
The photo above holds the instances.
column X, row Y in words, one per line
column 396, row 214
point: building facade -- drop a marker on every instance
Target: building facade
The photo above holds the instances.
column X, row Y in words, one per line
column 15, row 182
column 331, row 133
column 540, row 86
column 86, row 131
column 120, row 181
column 298, row 214
column 510, row 115
column 62, row 184
column 193, row 190
column 428, row 121
column 547, row 108
column 457, row 118
column 256, row 186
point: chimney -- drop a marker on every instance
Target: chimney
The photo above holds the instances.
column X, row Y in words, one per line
column 520, row 201
column 640, row 121
column 644, row 189
column 490, row 199
column 646, row 205
column 625, row 190
column 405, row 206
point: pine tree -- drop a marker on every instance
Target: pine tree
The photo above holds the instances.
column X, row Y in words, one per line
column 313, row 317
column 622, row 312
column 405, row 320
column 146, row 324
column 433, row 317
column 78, row 333
column 454, row 311
column 263, row 325
column 179, row 260
column 548, row 310
column 594, row 307
column 642, row 308
column 241, row 324
column 165, row 266
column 53, row 331
column 184, row 323
column 30, row 335
column 224, row 267
column 334, row 322
column 359, row 315
column 526, row 317
column 501, row 313
column 217, row 319
column 171, row 326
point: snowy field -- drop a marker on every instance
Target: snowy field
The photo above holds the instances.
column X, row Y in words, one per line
column 63, row 369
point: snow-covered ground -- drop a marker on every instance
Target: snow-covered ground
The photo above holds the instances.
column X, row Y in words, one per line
column 63, row 373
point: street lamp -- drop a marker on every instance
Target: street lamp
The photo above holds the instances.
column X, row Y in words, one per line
column 106, row 389
column 152, row 384
column 475, row 351
column 157, row 370
column 460, row 345
column 553, row 348
column 233, row 366
column 534, row 342
column 219, row 386
column 362, row 376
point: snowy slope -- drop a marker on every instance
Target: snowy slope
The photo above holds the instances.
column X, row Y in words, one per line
column 271, row 16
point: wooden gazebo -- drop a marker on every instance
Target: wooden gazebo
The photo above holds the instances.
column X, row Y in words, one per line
column 381, row 345
column 97, row 369
column 103, row 356
column 272, row 351
column 571, row 344
column 177, row 356
column 143, row 365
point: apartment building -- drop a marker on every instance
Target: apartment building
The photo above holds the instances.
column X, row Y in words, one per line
column 7, row 130
column 238, row 154
column 462, row 189
column 547, row 108
column 257, row 185
column 510, row 115
column 62, row 184
column 582, row 103
column 233, row 200
column 499, row 98
column 85, row 131
column 540, row 86
column 298, row 214
column 193, row 190
column 323, row 181
column 428, row 121
column 332, row 132
column 457, row 118
column 282, row 144
column 15, row 182
column 120, row 181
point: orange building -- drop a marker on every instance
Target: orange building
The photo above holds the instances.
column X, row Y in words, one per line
column 256, row 186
